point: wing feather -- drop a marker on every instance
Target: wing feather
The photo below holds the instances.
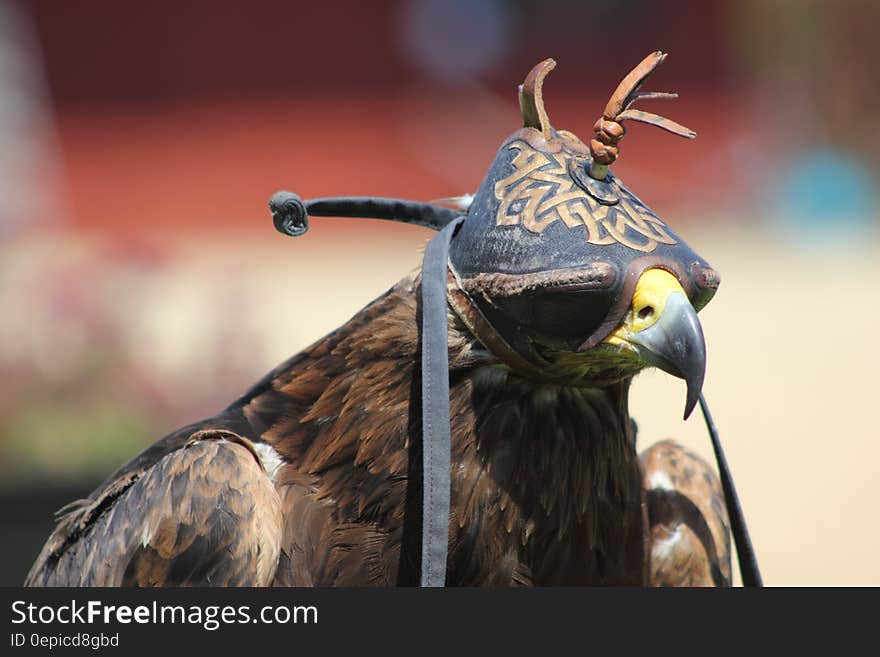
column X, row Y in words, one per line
column 689, row 529
column 203, row 514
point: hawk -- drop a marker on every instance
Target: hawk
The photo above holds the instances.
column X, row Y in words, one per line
column 560, row 287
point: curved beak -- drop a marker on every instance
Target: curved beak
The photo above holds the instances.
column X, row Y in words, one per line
column 663, row 329
column 675, row 344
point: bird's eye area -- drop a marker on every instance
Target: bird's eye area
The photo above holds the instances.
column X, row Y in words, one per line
column 561, row 318
column 646, row 312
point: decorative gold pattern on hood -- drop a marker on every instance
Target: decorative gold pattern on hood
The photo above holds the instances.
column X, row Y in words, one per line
column 541, row 191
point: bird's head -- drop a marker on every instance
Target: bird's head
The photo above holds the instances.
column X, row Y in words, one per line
column 562, row 273
column 557, row 268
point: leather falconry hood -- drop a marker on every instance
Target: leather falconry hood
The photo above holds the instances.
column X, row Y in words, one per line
column 549, row 217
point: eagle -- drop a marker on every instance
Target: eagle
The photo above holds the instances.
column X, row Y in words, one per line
column 561, row 286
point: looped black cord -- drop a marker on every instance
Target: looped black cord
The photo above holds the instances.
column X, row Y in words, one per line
column 748, row 562
column 290, row 213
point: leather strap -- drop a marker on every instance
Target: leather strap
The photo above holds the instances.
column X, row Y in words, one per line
column 748, row 562
column 436, row 436
column 395, row 209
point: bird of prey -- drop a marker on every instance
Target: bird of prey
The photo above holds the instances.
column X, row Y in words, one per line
column 562, row 286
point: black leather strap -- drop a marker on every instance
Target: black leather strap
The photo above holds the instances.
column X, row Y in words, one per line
column 748, row 562
column 395, row 209
column 436, row 448
column 290, row 213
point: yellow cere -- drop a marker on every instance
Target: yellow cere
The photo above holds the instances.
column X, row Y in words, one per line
column 649, row 299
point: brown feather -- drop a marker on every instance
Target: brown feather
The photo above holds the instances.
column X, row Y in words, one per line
column 205, row 514
column 689, row 528
column 546, row 483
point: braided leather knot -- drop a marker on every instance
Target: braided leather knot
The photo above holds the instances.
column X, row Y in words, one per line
column 609, row 128
column 603, row 147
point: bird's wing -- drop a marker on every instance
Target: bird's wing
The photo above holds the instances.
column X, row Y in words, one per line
column 205, row 513
column 689, row 528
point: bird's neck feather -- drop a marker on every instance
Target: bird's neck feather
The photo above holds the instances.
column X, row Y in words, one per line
column 554, row 467
column 549, row 473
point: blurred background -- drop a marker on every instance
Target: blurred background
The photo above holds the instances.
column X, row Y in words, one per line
column 142, row 285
